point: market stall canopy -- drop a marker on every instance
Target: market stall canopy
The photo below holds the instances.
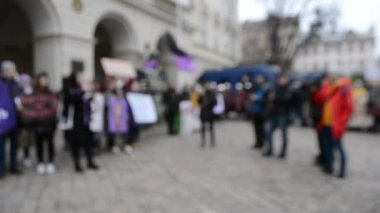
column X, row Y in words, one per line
column 234, row 75
column 118, row 68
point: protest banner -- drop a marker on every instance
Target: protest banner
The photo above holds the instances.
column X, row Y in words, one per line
column 118, row 68
column 117, row 115
column 7, row 109
column 143, row 108
column 190, row 121
column 38, row 107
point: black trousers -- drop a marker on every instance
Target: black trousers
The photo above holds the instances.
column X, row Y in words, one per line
column 259, row 129
column 81, row 140
column 321, row 155
column 111, row 140
column 170, row 121
column 43, row 141
column 210, row 124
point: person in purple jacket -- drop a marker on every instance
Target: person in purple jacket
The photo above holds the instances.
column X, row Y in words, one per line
column 10, row 90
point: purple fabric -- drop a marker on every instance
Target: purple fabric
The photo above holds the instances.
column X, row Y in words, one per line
column 185, row 63
column 8, row 120
column 118, row 115
column 151, row 64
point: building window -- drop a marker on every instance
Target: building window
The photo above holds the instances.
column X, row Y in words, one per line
column 362, row 65
column 315, row 48
column 338, row 48
column 350, row 46
column 306, row 51
column 339, row 65
column 362, row 46
column 326, row 66
column 216, row 44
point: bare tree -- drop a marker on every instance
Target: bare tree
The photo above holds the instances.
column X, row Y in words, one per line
column 285, row 18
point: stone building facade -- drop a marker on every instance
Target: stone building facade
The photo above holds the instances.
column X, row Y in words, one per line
column 346, row 53
column 58, row 36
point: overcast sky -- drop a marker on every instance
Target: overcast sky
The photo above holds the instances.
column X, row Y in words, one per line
column 358, row 15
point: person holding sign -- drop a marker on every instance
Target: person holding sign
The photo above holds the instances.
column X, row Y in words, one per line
column 117, row 116
column 45, row 110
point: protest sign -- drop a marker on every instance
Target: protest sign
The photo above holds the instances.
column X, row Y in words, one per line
column 117, row 115
column 38, row 107
column 118, row 68
column 220, row 106
column 7, row 109
column 143, row 108
column 97, row 113
column 190, row 121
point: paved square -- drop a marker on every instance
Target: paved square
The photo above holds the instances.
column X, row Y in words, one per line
column 173, row 175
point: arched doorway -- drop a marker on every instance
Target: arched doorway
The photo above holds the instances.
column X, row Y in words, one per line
column 113, row 38
column 103, row 48
column 16, row 37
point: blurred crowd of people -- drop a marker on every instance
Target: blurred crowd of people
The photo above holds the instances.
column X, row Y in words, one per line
column 276, row 106
column 30, row 114
column 273, row 106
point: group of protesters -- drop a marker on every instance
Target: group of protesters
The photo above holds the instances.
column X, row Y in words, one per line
column 16, row 96
column 202, row 101
column 330, row 99
column 30, row 114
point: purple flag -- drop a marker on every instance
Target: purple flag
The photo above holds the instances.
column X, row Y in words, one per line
column 185, row 63
column 8, row 119
column 151, row 64
column 118, row 115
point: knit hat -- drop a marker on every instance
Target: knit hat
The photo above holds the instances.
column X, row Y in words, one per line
column 25, row 79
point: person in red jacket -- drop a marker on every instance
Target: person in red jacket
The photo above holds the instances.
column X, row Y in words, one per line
column 336, row 96
column 316, row 107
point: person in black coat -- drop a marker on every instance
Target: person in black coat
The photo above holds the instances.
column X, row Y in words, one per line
column 80, row 136
column 281, row 100
column 207, row 102
column 171, row 102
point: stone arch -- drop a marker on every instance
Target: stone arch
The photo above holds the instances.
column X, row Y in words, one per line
column 22, row 24
column 42, row 15
column 114, row 37
column 119, row 29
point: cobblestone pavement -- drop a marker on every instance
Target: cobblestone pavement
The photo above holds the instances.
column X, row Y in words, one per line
column 175, row 175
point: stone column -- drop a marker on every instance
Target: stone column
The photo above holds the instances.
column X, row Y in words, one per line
column 48, row 58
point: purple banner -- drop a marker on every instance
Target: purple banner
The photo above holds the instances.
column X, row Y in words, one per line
column 118, row 115
column 151, row 64
column 8, row 119
column 185, row 63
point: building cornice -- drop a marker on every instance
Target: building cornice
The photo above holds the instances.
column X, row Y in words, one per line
column 149, row 8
